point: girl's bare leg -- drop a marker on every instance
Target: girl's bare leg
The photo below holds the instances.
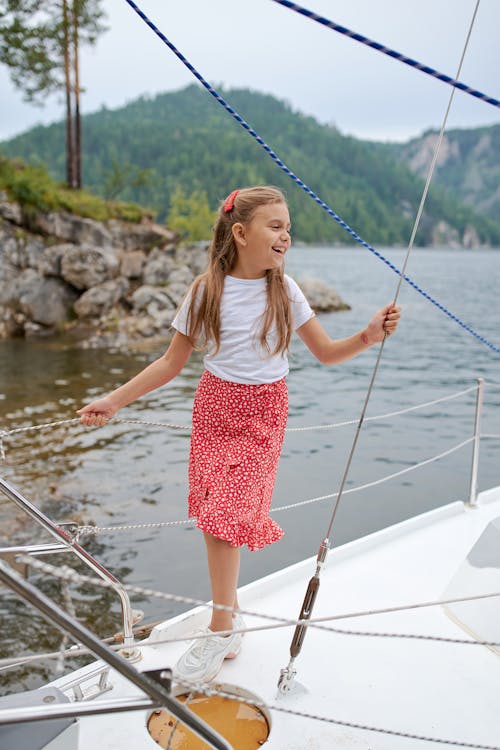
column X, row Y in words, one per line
column 224, row 568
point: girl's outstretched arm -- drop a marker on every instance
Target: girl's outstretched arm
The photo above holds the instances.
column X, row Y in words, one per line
column 330, row 351
column 159, row 372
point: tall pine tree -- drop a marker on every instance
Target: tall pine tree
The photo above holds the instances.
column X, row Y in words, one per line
column 39, row 43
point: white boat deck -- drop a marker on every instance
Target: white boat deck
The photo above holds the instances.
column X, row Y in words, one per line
column 426, row 688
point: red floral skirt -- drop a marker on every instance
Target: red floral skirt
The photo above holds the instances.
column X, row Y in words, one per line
column 236, row 441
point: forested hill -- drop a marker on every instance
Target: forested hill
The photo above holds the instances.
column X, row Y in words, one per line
column 186, row 139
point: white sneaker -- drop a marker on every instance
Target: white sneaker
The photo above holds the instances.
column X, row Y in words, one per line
column 239, row 623
column 203, row 659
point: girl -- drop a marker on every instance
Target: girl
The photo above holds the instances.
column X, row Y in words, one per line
column 242, row 311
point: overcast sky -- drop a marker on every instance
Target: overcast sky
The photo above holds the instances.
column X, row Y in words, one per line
column 266, row 47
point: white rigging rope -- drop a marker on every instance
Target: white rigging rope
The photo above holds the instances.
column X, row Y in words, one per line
column 158, row 524
column 381, row 480
column 74, row 651
column 67, row 573
column 147, row 423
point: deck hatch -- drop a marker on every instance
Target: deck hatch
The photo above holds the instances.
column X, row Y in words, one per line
column 245, row 725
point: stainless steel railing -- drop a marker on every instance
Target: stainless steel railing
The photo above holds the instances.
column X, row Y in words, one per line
column 476, row 443
column 67, row 542
column 158, row 691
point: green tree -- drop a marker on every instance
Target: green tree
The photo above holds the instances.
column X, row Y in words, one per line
column 190, row 215
column 120, row 177
column 39, row 43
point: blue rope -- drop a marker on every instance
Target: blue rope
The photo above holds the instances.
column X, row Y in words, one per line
column 302, row 184
column 388, row 51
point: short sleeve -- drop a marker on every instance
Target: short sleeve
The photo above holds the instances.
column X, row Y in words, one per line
column 181, row 316
column 301, row 309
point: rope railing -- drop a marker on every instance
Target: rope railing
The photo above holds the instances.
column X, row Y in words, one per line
column 273, row 621
column 273, row 155
column 141, row 422
column 387, row 415
column 378, row 481
column 95, row 530
column 389, row 52
column 74, row 651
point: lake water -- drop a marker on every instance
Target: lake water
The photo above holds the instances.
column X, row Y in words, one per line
column 124, row 474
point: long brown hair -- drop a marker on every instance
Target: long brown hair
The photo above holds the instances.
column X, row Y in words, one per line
column 203, row 320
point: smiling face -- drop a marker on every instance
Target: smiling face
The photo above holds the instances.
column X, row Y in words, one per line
column 263, row 242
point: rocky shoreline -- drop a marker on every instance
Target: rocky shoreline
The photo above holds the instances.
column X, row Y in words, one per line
column 107, row 284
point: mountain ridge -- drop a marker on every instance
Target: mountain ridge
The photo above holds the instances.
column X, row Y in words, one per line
column 468, row 163
column 185, row 139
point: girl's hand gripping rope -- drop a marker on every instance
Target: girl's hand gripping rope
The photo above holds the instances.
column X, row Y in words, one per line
column 98, row 412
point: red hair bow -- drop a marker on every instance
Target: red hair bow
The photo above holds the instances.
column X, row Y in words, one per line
column 229, row 202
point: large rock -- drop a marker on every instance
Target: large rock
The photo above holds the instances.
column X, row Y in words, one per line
column 178, row 282
column 444, row 235
column 9, row 251
column 7, row 275
column 19, row 285
column 153, row 311
column 9, row 210
column 101, row 298
column 9, row 326
column 8, row 271
column 163, row 321
column 321, row 297
column 85, row 266
column 23, row 251
column 45, row 301
column 49, row 262
column 72, row 228
column 194, row 256
column 470, row 238
column 150, row 300
column 158, row 268
column 133, row 263
column 142, row 236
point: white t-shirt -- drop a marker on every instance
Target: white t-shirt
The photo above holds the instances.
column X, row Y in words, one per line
column 241, row 358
